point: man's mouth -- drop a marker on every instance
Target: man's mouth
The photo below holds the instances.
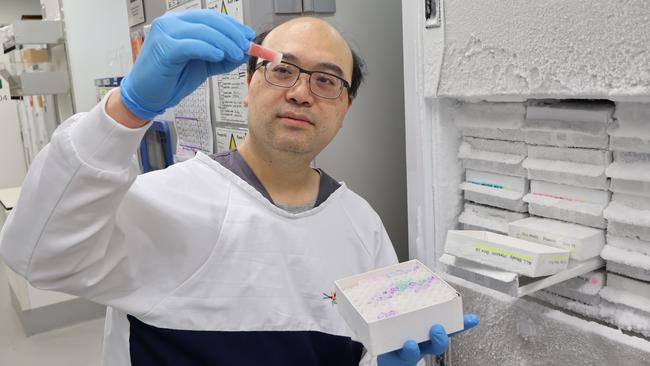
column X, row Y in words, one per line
column 295, row 118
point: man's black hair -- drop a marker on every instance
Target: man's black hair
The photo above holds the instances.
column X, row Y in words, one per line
column 358, row 66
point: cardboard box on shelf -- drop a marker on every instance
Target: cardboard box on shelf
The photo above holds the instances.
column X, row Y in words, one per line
column 511, row 254
column 35, row 55
column 582, row 241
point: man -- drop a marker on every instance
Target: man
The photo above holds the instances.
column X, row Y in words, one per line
column 214, row 261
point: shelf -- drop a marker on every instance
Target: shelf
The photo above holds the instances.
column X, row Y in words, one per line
column 38, row 32
column 36, row 83
column 509, row 282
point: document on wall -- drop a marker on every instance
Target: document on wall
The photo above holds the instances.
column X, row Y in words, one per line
column 136, row 12
column 230, row 89
column 180, row 5
column 192, row 122
column 192, row 115
column 233, row 8
column 229, row 138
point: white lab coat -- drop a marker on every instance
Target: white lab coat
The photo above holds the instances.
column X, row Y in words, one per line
column 190, row 247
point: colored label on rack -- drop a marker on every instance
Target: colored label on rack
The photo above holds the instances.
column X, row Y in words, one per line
column 485, row 184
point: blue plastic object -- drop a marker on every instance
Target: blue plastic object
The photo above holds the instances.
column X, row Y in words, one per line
column 158, row 136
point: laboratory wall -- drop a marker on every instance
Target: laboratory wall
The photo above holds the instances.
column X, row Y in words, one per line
column 369, row 151
column 522, row 52
column 13, row 9
column 92, row 58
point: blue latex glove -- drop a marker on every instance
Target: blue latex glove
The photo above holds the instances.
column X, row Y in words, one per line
column 412, row 352
column 181, row 51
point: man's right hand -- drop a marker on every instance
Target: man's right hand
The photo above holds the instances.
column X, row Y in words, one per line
column 181, row 51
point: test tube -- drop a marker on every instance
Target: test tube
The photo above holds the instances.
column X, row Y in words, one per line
column 264, row 53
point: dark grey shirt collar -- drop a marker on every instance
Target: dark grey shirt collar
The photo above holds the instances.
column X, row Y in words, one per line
column 234, row 162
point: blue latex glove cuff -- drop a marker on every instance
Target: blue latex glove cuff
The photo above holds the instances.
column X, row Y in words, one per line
column 134, row 107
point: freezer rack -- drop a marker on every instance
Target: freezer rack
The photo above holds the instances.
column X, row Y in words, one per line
column 511, row 283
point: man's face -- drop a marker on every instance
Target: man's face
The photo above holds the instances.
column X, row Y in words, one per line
column 294, row 119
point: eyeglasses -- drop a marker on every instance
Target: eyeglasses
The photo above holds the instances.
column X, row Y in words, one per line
column 322, row 84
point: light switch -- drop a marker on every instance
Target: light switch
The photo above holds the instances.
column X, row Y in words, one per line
column 287, row 6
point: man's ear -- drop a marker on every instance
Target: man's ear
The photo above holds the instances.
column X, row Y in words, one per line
column 245, row 100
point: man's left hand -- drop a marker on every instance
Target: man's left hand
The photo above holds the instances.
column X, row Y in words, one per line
column 412, row 352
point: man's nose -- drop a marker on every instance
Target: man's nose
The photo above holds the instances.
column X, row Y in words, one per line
column 300, row 92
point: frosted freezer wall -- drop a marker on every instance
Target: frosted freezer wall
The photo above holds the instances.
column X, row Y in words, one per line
column 539, row 49
column 521, row 52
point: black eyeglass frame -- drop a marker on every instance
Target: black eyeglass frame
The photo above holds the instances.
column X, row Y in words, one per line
column 344, row 84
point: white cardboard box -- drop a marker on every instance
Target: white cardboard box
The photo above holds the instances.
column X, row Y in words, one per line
column 630, row 173
column 501, row 121
column 497, row 190
column 385, row 334
column 639, row 288
column 568, row 124
column 626, row 262
column 629, row 216
column 570, row 193
column 630, row 130
column 511, row 254
column 583, row 242
column 572, row 111
column 568, row 203
column 488, row 218
column 579, row 167
column 496, row 156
